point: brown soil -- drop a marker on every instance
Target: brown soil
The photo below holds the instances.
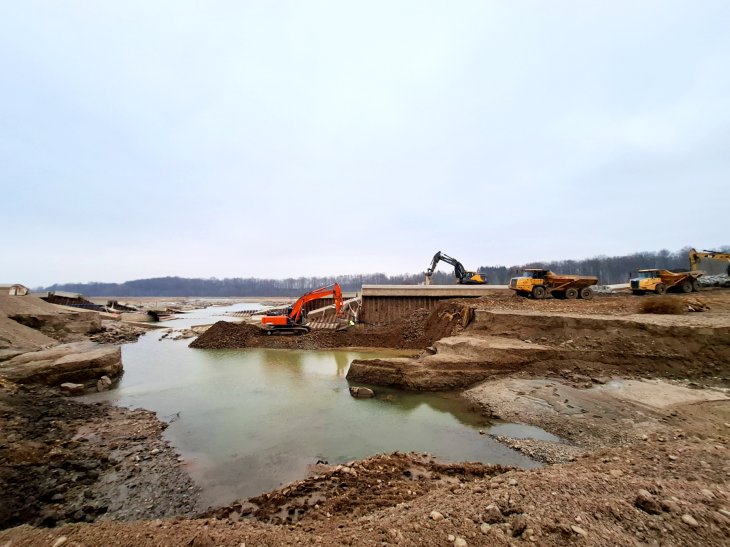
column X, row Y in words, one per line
column 575, row 346
column 621, row 303
column 417, row 331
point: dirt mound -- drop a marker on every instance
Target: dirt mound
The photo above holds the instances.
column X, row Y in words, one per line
column 664, row 305
column 356, row 489
column 419, row 330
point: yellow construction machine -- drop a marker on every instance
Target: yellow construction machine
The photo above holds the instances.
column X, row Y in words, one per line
column 660, row 281
column 539, row 283
column 696, row 256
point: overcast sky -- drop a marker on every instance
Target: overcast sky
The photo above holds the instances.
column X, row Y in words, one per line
column 278, row 139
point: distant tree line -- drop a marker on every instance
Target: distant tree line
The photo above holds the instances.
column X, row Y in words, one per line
column 610, row 269
column 613, row 269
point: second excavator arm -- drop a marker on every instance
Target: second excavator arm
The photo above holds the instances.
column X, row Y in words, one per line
column 695, row 257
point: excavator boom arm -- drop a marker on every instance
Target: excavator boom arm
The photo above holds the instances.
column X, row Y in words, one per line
column 333, row 290
column 459, row 270
column 695, row 257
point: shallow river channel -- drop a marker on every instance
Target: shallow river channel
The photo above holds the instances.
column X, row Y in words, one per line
column 247, row 421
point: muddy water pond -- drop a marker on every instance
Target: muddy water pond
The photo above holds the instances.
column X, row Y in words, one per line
column 248, row 421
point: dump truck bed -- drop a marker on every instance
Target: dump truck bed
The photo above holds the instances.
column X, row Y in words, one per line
column 565, row 280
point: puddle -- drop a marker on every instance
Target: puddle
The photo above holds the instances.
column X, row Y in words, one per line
column 248, row 421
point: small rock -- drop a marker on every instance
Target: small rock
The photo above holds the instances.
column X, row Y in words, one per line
column 616, row 473
column 435, row 515
column 707, row 493
column 155, row 451
column 670, row 506
column 646, row 502
column 689, row 519
column 60, row 541
column 519, row 525
column 578, row 530
column 451, row 537
column 72, row 389
column 512, row 482
column 724, row 512
column 362, row 392
column 484, row 527
column 492, row 514
column 459, row 542
column 103, row 384
column 673, row 457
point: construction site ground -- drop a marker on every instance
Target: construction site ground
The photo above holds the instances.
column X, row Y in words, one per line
column 639, row 402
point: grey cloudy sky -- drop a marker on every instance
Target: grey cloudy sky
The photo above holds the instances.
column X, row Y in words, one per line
column 278, row 139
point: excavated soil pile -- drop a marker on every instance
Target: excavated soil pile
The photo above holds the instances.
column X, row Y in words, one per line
column 417, row 331
column 63, row 461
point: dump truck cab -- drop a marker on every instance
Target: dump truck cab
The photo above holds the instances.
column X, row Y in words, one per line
column 525, row 284
column 529, row 279
column 646, row 281
column 660, row 281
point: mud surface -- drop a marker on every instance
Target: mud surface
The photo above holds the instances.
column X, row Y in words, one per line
column 64, row 461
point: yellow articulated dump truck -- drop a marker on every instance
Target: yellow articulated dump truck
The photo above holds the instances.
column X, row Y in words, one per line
column 540, row 283
column 660, row 281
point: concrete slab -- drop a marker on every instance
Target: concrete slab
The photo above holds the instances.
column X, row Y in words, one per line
column 440, row 291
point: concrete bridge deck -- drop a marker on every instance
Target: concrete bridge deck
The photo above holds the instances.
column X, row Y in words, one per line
column 437, row 291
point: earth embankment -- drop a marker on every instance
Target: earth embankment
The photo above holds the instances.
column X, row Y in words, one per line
column 499, row 343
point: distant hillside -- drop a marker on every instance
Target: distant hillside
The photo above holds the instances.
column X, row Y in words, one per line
column 613, row 269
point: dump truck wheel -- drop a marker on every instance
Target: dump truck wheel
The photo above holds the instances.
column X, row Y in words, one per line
column 586, row 293
column 661, row 288
column 686, row 286
column 571, row 293
column 639, row 293
column 538, row 292
column 695, row 285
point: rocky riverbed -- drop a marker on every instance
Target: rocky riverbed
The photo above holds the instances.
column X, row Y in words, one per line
column 64, row 461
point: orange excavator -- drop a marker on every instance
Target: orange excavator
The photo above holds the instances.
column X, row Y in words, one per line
column 291, row 321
